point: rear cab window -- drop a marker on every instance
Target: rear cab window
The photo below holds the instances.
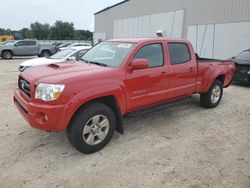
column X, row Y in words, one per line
column 179, row 53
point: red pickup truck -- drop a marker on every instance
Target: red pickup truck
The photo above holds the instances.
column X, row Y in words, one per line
column 89, row 98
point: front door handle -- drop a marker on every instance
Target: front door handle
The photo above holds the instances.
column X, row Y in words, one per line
column 163, row 73
column 191, row 69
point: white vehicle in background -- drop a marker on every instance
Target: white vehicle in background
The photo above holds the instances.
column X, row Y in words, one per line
column 77, row 44
column 71, row 53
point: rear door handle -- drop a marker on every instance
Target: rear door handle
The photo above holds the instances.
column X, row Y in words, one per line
column 191, row 69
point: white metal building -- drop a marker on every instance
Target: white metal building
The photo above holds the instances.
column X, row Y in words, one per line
column 216, row 28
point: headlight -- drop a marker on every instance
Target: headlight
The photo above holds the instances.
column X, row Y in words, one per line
column 49, row 92
column 22, row 68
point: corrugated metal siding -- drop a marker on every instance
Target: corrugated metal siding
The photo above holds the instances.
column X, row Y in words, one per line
column 196, row 12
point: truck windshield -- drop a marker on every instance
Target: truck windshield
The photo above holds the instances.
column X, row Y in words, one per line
column 110, row 54
column 62, row 54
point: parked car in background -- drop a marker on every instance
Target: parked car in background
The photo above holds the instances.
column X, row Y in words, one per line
column 56, row 45
column 114, row 78
column 73, row 53
column 64, row 45
column 26, row 48
column 75, row 45
column 242, row 63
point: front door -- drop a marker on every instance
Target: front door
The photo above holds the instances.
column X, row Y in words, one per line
column 147, row 86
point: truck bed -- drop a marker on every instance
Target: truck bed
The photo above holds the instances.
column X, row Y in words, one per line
column 205, row 60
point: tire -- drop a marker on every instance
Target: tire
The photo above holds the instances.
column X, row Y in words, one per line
column 7, row 54
column 92, row 127
column 45, row 53
column 212, row 97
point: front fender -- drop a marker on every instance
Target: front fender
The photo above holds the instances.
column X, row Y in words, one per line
column 89, row 95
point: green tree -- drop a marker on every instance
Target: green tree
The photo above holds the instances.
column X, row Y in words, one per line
column 83, row 35
column 29, row 34
column 40, row 31
column 62, row 30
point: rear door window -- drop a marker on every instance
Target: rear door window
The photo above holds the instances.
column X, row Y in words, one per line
column 30, row 43
column 179, row 53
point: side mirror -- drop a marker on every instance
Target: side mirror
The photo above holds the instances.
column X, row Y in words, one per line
column 71, row 58
column 15, row 44
column 233, row 57
column 138, row 64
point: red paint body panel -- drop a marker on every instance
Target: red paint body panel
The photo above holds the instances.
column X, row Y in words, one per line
column 131, row 90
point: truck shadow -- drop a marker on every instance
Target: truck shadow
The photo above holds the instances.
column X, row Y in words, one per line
column 138, row 121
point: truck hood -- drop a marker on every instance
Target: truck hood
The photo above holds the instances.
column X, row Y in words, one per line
column 60, row 72
column 40, row 61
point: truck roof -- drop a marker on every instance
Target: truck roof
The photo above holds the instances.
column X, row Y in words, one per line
column 137, row 40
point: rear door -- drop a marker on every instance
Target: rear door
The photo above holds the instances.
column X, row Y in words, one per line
column 147, row 86
column 31, row 48
column 182, row 73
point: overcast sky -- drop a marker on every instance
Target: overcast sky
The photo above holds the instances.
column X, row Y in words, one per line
column 21, row 13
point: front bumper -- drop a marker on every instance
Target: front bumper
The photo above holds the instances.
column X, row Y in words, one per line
column 238, row 76
column 40, row 116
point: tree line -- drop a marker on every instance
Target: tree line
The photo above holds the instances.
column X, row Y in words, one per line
column 58, row 31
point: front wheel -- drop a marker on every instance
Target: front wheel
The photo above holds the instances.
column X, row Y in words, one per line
column 7, row 54
column 213, row 96
column 92, row 127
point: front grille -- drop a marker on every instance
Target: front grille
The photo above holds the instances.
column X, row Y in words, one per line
column 242, row 68
column 24, row 86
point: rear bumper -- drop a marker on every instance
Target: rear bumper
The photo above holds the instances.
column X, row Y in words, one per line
column 40, row 116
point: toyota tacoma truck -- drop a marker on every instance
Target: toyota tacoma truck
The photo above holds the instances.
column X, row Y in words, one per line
column 26, row 48
column 89, row 98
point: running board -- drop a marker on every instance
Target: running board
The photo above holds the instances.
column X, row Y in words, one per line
column 157, row 107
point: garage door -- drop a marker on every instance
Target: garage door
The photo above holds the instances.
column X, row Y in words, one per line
column 220, row 40
column 171, row 23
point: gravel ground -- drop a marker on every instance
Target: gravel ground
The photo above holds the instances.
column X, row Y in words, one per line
column 182, row 146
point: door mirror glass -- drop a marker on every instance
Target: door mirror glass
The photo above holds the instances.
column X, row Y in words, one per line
column 138, row 64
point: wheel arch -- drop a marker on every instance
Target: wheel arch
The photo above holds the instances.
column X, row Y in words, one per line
column 8, row 50
column 45, row 50
column 112, row 98
column 221, row 78
column 111, row 102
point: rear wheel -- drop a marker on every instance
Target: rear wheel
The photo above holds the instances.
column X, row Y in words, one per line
column 212, row 98
column 7, row 54
column 92, row 127
column 45, row 53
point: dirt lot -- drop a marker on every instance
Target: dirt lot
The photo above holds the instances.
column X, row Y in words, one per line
column 182, row 146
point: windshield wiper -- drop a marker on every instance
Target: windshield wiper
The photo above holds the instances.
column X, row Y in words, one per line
column 96, row 63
